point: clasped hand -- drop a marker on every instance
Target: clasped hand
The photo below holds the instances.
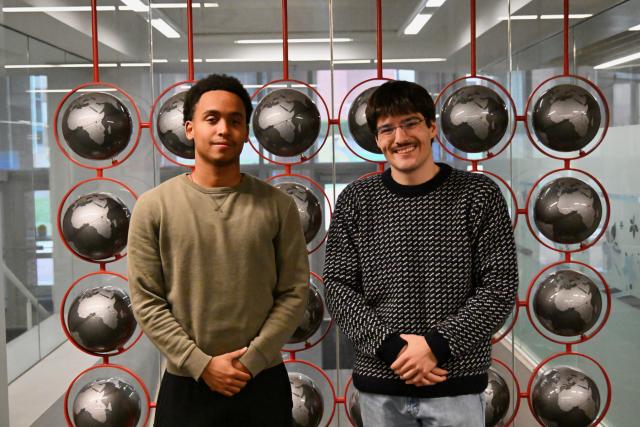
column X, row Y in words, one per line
column 416, row 364
column 225, row 374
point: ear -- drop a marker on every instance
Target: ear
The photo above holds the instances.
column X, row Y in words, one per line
column 188, row 129
column 378, row 142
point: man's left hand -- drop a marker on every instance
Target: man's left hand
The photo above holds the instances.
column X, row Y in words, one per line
column 415, row 360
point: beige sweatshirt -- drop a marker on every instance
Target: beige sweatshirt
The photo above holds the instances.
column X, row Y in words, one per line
column 213, row 270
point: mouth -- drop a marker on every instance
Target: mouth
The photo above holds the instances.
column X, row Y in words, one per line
column 404, row 149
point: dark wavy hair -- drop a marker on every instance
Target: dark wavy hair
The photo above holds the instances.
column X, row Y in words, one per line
column 398, row 97
column 216, row 82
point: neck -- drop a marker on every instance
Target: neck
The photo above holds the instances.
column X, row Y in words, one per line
column 416, row 177
column 207, row 175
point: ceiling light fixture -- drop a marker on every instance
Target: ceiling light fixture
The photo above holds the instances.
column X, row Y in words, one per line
column 402, row 60
column 635, row 28
column 276, row 41
column 166, row 29
column 571, row 16
column 417, row 23
column 53, row 9
column 618, row 61
column 520, row 17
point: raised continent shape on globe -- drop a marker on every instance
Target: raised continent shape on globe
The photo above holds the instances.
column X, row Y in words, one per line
column 308, row 206
column 566, row 118
column 308, row 405
column 497, row 398
column 357, row 121
column 171, row 130
column 312, row 318
column 107, row 403
column 96, row 126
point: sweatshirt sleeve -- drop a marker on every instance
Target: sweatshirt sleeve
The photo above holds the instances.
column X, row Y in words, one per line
column 290, row 294
column 148, row 293
column 495, row 276
column 344, row 291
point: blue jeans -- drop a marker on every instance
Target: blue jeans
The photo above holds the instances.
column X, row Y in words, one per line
column 381, row 410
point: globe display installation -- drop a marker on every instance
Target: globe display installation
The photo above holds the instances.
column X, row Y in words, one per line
column 357, row 120
column 170, row 127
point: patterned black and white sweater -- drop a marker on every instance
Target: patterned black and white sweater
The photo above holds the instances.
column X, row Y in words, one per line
column 436, row 259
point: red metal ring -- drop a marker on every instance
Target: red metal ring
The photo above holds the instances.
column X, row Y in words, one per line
column 583, row 338
column 303, row 158
column 101, row 366
column 604, row 226
column 498, row 338
column 326, row 377
column 383, row 79
column 308, row 345
column 581, row 153
column 152, row 127
column 513, row 195
column 114, row 162
column 319, row 188
column 346, row 403
column 59, row 217
column 570, row 353
column 64, row 322
column 490, row 155
column 512, row 418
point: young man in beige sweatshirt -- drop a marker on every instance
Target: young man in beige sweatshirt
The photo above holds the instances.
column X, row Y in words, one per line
column 218, row 274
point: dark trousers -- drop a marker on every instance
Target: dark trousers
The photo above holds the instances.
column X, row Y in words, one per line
column 264, row 401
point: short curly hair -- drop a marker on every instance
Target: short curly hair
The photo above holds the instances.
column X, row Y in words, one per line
column 215, row 82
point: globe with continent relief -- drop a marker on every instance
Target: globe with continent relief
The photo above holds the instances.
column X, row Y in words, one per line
column 566, row 118
column 96, row 225
column 101, row 319
column 286, row 122
column 312, row 318
column 567, row 303
column 567, row 210
column 565, row 397
column 354, row 409
column 308, row 206
column 474, row 119
column 96, row 126
column 496, row 398
column 358, row 122
column 170, row 124
column 107, row 402
column 308, row 405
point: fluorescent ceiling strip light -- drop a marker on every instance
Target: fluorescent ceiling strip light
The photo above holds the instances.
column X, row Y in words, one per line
column 618, row 61
column 45, row 9
column 417, row 23
column 401, row 60
column 134, row 5
column 21, row 66
column 108, row 89
column 135, row 64
column 635, row 28
column 276, row 41
column 172, row 5
column 352, row 61
column 211, row 5
column 571, row 16
column 160, row 61
column 194, row 60
column 434, row 3
column 166, row 29
column 520, row 17
column 278, row 59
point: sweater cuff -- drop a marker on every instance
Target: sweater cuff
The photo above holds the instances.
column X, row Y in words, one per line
column 390, row 347
column 196, row 362
column 439, row 345
column 254, row 361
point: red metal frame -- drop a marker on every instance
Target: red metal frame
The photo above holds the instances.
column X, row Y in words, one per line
column 512, row 418
column 379, row 38
column 63, row 321
column 326, row 377
column 114, row 162
column 472, row 28
column 513, row 194
column 534, row 374
column 190, row 60
column 59, row 217
column 152, row 126
column 132, row 374
column 583, row 246
column 344, row 139
column 508, row 97
column 94, row 39
column 565, row 37
column 583, row 338
column 541, row 147
column 343, row 399
column 303, row 158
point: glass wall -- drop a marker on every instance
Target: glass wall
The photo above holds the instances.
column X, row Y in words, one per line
column 332, row 57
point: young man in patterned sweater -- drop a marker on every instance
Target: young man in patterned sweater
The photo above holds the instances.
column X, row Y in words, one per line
column 420, row 271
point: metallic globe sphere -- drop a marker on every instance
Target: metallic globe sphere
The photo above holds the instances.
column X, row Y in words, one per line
column 566, row 118
column 308, row 207
column 96, row 126
column 101, row 319
column 358, row 122
column 286, row 122
column 565, row 397
column 567, row 303
column 354, row 409
column 474, row 118
column 567, row 210
column 308, row 405
column 496, row 399
column 171, row 127
column 96, row 225
column 312, row 319
column 107, row 403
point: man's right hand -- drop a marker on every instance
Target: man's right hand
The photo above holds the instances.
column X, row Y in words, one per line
column 222, row 377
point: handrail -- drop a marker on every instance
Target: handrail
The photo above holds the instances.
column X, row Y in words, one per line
column 23, row 289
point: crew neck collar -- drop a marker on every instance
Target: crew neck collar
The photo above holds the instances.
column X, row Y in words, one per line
column 244, row 182
column 418, row 189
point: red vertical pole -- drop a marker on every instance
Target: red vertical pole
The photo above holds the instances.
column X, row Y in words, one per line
column 94, row 39
column 285, row 41
column 190, row 39
column 566, row 37
column 472, row 27
column 379, row 37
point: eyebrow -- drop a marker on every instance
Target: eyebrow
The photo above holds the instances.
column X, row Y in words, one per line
column 402, row 121
column 233, row 114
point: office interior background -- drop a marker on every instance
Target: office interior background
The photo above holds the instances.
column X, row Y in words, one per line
column 47, row 51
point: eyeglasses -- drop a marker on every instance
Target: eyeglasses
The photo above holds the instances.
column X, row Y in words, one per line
column 389, row 131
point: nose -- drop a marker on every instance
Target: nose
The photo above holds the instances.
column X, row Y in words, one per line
column 222, row 127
